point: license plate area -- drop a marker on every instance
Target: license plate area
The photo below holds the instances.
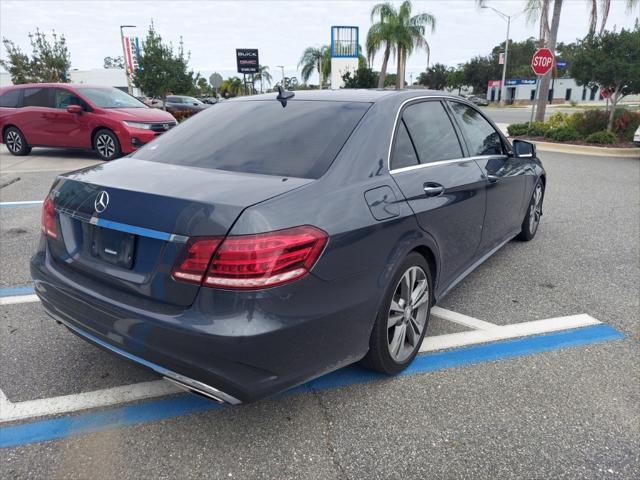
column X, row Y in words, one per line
column 112, row 246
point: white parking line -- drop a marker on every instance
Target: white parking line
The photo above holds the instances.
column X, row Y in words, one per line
column 18, row 299
column 524, row 329
column 484, row 332
column 29, row 202
column 83, row 401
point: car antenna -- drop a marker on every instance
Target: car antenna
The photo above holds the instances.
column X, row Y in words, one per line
column 284, row 95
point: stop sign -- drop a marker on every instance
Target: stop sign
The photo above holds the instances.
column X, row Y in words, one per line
column 542, row 61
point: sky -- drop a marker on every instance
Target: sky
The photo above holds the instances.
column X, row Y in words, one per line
column 281, row 30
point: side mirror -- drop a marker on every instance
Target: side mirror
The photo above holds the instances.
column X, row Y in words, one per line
column 523, row 149
column 74, row 109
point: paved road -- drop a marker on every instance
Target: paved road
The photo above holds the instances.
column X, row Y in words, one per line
column 566, row 413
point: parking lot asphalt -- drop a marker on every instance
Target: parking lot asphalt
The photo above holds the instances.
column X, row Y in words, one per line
column 569, row 412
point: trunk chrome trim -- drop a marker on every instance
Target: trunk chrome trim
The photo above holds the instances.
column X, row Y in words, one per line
column 124, row 227
column 181, row 380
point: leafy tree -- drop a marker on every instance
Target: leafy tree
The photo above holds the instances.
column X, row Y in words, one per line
column 290, row 83
column 612, row 61
column 232, row 87
column 363, row 77
column 435, row 77
column 202, row 87
column 315, row 59
column 161, row 70
column 49, row 61
column 114, row 62
column 263, row 76
column 404, row 31
column 455, row 79
column 478, row 71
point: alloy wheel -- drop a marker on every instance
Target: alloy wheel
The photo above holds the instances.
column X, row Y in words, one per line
column 13, row 141
column 407, row 314
column 535, row 210
column 105, row 145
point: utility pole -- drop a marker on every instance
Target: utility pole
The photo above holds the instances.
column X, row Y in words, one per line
column 124, row 57
column 503, row 87
column 543, row 94
column 282, row 68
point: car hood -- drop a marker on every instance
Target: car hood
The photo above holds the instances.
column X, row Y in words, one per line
column 142, row 114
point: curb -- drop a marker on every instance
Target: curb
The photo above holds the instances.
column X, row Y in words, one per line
column 587, row 150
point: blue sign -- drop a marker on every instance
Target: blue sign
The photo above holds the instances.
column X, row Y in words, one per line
column 561, row 64
column 520, row 81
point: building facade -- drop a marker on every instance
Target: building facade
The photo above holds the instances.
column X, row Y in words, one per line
column 562, row 90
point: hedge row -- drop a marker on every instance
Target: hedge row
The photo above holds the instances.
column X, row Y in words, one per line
column 589, row 125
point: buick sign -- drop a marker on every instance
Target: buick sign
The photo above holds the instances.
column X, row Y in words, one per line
column 247, row 60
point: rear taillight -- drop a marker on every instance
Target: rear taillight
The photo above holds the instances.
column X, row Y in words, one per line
column 49, row 225
column 192, row 264
column 256, row 261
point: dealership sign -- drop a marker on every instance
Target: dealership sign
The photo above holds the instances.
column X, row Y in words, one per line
column 247, row 60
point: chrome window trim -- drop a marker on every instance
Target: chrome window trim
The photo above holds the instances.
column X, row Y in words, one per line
column 432, row 164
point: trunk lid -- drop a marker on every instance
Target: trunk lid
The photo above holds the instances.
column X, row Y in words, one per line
column 132, row 238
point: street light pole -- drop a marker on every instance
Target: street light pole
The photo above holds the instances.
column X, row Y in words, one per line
column 281, row 67
column 124, row 57
column 506, row 52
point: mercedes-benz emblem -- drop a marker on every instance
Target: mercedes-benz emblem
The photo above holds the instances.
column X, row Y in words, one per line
column 101, row 202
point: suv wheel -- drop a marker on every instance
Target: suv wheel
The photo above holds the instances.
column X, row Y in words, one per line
column 15, row 142
column 106, row 145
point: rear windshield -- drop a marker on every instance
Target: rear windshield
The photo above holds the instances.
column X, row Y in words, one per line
column 299, row 140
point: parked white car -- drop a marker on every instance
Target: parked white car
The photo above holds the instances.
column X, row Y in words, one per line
column 636, row 137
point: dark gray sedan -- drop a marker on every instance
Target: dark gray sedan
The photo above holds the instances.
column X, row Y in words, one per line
column 268, row 241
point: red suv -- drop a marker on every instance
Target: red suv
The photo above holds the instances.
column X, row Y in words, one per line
column 104, row 119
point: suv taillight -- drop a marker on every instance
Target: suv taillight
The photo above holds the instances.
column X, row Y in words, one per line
column 49, row 225
column 251, row 261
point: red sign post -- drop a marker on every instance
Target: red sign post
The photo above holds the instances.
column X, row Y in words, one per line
column 542, row 61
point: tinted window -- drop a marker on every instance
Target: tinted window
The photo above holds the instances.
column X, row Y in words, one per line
column 10, row 98
column 299, row 140
column 174, row 99
column 404, row 155
column 432, row 132
column 64, row 98
column 110, row 98
column 482, row 138
column 36, row 97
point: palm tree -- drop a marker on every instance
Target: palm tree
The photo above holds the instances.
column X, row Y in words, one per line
column 409, row 34
column 263, row 76
column 605, row 5
column 381, row 34
column 313, row 59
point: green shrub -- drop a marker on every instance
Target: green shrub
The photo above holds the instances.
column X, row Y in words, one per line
column 604, row 137
column 538, row 129
column 563, row 134
column 625, row 123
column 557, row 120
column 517, row 129
column 588, row 122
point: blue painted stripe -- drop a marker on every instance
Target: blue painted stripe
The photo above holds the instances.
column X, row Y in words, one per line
column 14, row 291
column 123, row 227
column 72, row 425
column 29, row 204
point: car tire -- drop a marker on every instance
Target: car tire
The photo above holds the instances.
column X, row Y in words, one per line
column 15, row 142
column 400, row 325
column 534, row 213
column 106, row 145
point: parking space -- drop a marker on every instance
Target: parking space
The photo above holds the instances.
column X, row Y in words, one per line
column 504, row 388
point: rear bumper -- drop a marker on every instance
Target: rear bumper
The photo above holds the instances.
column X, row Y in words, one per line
column 232, row 346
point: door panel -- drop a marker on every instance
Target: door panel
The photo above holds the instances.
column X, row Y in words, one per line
column 454, row 218
column 68, row 129
column 445, row 191
column 32, row 116
column 505, row 174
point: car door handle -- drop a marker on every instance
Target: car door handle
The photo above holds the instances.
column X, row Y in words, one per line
column 433, row 189
column 492, row 178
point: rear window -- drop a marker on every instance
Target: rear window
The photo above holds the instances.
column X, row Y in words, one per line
column 298, row 140
column 10, row 99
